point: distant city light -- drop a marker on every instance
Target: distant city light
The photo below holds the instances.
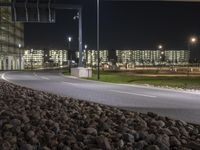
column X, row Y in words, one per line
column 86, row 46
column 20, row 45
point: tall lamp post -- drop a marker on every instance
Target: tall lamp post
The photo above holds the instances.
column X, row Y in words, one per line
column 20, row 55
column 86, row 55
column 98, row 55
column 31, row 59
column 192, row 41
column 70, row 53
column 160, row 47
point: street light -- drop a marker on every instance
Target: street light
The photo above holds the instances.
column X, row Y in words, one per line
column 31, row 59
column 70, row 53
column 160, row 47
column 192, row 41
column 20, row 61
column 86, row 55
column 69, row 39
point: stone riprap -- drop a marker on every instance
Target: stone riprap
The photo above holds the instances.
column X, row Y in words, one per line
column 35, row 120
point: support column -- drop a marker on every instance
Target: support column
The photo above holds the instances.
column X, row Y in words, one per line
column 80, row 39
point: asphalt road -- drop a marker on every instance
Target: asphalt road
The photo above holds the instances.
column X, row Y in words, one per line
column 175, row 104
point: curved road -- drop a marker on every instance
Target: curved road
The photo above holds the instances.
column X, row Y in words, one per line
column 175, row 104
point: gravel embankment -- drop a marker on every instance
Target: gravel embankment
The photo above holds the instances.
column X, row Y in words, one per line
column 32, row 119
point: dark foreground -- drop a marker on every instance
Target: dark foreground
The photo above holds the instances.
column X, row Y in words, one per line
column 32, row 119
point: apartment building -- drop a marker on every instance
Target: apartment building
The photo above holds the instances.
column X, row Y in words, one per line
column 11, row 41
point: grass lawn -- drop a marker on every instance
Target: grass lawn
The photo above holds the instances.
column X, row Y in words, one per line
column 66, row 72
column 128, row 78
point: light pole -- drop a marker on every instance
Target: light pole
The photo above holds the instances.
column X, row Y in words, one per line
column 192, row 41
column 31, row 59
column 98, row 55
column 160, row 47
column 20, row 55
column 79, row 17
column 70, row 53
column 86, row 55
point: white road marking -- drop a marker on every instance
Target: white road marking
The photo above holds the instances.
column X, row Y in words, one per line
column 35, row 74
column 197, row 92
column 130, row 93
column 4, row 78
column 42, row 77
column 72, row 77
column 45, row 78
column 70, row 83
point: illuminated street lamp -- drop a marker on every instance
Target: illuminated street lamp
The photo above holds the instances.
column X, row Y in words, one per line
column 160, row 47
column 192, row 41
column 20, row 59
column 70, row 52
column 31, row 59
column 69, row 39
column 162, row 54
column 86, row 55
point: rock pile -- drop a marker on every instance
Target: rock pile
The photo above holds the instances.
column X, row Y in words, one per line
column 31, row 120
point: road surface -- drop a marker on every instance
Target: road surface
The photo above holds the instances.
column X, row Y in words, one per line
column 175, row 104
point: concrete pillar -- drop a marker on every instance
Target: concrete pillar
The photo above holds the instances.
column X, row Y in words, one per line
column 5, row 60
column 17, row 64
column 22, row 63
column 14, row 63
column 10, row 63
column 7, row 63
column 1, row 64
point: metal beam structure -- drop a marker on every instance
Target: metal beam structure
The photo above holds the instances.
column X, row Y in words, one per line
column 56, row 6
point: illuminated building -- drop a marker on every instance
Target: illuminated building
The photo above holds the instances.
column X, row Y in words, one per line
column 11, row 40
column 152, row 57
column 43, row 58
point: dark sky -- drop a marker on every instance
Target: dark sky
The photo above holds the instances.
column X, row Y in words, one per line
column 123, row 25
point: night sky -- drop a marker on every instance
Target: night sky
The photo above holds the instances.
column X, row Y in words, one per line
column 123, row 25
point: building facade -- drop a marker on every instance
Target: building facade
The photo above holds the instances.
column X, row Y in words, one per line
column 45, row 58
column 152, row 57
column 90, row 57
column 11, row 40
column 131, row 58
column 59, row 57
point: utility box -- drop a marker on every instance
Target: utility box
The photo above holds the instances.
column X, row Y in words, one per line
column 81, row 72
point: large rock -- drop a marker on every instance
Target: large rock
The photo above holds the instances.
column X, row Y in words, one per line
column 103, row 143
